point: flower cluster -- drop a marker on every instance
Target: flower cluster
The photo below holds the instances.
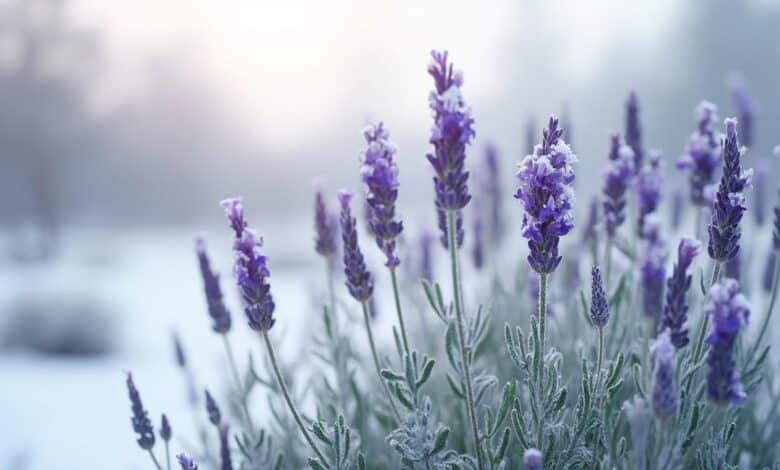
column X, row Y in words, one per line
column 379, row 173
column 599, row 307
column 617, row 178
column 324, row 227
column 359, row 281
column 250, row 269
column 664, row 398
column 546, row 177
column 729, row 202
column 729, row 311
column 219, row 314
column 634, row 130
column 677, row 286
column 648, row 188
column 702, row 153
column 452, row 131
column 140, row 419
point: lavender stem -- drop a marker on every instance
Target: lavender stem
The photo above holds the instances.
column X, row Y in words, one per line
column 541, row 317
column 453, row 248
column 287, row 398
column 397, row 297
column 371, row 343
column 239, row 384
column 168, row 455
column 154, row 459
column 768, row 314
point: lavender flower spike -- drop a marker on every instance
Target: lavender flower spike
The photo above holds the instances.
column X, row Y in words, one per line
column 599, row 307
column 478, row 250
column 730, row 200
column 325, row 240
column 546, row 177
column 186, row 463
column 250, row 269
column 702, row 153
column 379, row 173
column 664, row 398
column 359, row 281
column 532, row 459
column 219, row 314
column 634, row 130
column 730, row 311
column 226, row 462
column 676, row 308
column 617, row 177
column 142, row 425
column 452, row 131
column 165, row 428
column 652, row 270
column 215, row 417
column 648, row 188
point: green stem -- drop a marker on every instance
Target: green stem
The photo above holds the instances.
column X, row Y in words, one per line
column 154, row 459
column 542, row 321
column 168, row 455
column 608, row 263
column 397, row 297
column 331, row 291
column 288, row 399
column 768, row 314
column 371, row 343
column 471, row 409
column 600, row 357
column 239, row 384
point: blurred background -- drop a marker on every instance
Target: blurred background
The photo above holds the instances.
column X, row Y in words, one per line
column 123, row 124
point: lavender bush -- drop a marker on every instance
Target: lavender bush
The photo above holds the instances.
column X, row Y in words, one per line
column 648, row 365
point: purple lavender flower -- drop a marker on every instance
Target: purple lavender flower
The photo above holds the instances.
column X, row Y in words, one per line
column 730, row 200
column 746, row 110
column 178, row 350
column 452, row 131
column 359, row 281
column 676, row 308
column 224, row 448
column 493, row 194
column 617, row 177
column 546, row 177
column 759, row 191
column 730, row 311
column 532, row 460
column 733, row 268
column 634, row 130
column 142, row 425
column 325, row 238
column 165, row 428
column 599, row 307
column 212, row 409
column 648, row 188
column 664, row 398
column 186, row 463
column 652, row 270
column 478, row 250
column 426, row 258
column 702, row 153
column 219, row 314
column 379, row 173
column 441, row 221
column 250, row 269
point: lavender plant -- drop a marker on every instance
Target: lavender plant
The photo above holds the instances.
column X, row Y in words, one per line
column 607, row 381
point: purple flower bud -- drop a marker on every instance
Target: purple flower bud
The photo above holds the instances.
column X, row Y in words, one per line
column 165, row 429
column 730, row 199
column 634, row 130
column 546, row 177
column 250, row 269
column 219, row 314
column 213, row 410
column 451, row 132
column 426, row 258
column 186, row 463
column 224, row 448
column 532, row 460
column 730, row 311
column 599, row 307
column 140, row 419
column 664, row 398
column 652, row 271
column 324, row 229
column 648, row 188
column 178, row 349
column 702, row 153
column 493, row 194
column 379, row 173
column 676, row 308
column 617, row 177
column 733, row 268
column 478, row 250
column 359, row 281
